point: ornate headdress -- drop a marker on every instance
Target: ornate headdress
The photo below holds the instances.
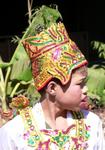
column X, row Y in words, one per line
column 53, row 54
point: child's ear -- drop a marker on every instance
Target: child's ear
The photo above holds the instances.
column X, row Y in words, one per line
column 51, row 88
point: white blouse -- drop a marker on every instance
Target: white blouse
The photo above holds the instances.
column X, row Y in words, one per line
column 11, row 134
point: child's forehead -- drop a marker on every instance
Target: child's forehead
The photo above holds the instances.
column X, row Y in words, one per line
column 83, row 71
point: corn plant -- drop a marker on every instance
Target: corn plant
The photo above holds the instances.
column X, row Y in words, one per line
column 16, row 76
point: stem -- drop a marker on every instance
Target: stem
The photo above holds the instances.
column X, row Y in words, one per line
column 6, row 78
column 29, row 11
column 4, row 105
column 1, row 76
column 14, row 90
column 2, row 86
column 2, row 83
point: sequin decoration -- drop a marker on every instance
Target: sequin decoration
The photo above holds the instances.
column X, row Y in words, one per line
column 74, row 138
column 53, row 55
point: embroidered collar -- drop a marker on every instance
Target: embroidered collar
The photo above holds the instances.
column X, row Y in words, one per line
column 75, row 137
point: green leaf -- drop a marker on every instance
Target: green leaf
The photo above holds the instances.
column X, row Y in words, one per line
column 21, row 68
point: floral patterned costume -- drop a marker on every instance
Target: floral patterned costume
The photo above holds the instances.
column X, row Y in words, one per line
column 29, row 131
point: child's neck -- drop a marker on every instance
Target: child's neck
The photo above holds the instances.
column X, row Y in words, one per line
column 54, row 117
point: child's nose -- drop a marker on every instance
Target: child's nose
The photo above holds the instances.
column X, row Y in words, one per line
column 85, row 89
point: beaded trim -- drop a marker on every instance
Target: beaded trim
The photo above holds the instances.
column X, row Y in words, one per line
column 59, row 139
column 53, row 55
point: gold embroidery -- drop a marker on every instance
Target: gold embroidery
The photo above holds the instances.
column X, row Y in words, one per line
column 45, row 138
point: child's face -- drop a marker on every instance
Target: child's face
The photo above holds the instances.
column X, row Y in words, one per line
column 74, row 94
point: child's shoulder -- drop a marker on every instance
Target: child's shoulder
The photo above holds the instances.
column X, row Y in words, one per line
column 89, row 115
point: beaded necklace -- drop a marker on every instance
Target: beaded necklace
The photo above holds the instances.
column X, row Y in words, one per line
column 55, row 139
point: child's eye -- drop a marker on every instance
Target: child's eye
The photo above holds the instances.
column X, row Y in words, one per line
column 82, row 83
column 85, row 80
column 79, row 83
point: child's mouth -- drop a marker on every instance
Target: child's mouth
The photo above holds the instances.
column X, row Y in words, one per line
column 84, row 104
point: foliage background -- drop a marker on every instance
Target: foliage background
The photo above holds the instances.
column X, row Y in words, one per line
column 13, row 72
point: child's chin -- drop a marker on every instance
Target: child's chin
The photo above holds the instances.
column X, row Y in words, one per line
column 84, row 105
column 76, row 109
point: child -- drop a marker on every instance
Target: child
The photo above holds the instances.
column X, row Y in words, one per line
column 58, row 121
